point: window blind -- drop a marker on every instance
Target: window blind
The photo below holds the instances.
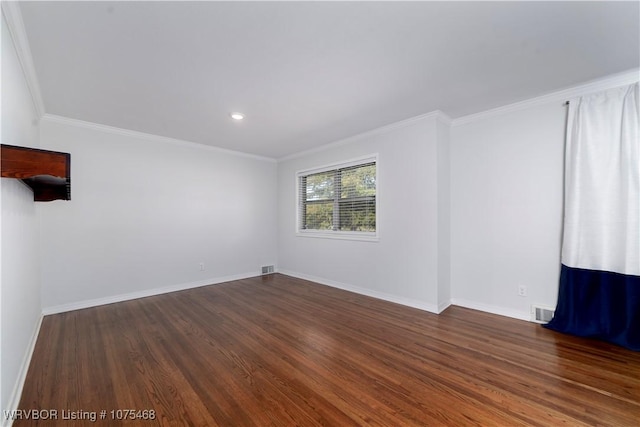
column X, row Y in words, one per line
column 340, row 199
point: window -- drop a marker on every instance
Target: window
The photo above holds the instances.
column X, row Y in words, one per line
column 339, row 200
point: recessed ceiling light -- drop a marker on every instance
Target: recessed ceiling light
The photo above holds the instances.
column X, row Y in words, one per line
column 237, row 116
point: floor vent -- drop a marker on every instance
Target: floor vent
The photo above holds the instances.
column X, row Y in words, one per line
column 267, row 269
column 541, row 314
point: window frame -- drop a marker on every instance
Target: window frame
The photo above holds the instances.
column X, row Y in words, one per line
column 370, row 236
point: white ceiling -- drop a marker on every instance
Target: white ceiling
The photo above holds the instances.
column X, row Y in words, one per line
column 310, row 73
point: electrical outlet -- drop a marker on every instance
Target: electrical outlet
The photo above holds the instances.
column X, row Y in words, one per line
column 202, row 266
column 522, row 290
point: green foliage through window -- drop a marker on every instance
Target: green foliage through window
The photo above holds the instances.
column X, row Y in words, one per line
column 342, row 199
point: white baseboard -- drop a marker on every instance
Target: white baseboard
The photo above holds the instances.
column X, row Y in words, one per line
column 501, row 311
column 443, row 306
column 142, row 294
column 431, row 308
column 16, row 394
column 421, row 305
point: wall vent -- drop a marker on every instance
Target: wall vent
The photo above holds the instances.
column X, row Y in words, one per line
column 541, row 314
column 267, row 269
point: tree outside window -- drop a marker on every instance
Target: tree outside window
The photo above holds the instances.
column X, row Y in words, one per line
column 339, row 200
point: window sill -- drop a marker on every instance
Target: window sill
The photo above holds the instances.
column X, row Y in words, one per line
column 340, row 235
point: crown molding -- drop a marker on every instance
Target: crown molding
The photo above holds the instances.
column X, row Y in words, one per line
column 434, row 115
column 52, row 118
column 15, row 25
column 609, row 82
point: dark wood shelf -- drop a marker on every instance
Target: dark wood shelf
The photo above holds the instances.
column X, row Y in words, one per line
column 47, row 173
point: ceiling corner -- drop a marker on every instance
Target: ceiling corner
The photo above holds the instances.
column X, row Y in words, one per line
column 15, row 25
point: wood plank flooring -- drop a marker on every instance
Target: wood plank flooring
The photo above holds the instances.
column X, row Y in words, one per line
column 279, row 351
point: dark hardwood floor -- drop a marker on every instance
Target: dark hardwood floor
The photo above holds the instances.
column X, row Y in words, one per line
column 280, row 351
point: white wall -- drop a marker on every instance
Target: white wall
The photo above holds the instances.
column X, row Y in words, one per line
column 443, row 134
column 469, row 210
column 506, row 201
column 403, row 265
column 19, row 264
column 506, row 209
column 145, row 212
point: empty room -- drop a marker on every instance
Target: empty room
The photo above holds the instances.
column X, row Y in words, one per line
column 320, row 213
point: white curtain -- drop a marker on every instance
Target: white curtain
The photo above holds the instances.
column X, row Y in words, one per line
column 602, row 182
